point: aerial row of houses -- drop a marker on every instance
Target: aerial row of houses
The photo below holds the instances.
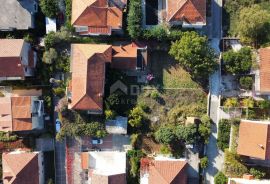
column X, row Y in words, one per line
column 20, row 112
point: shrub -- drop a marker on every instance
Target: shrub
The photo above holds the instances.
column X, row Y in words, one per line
column 109, row 114
column 133, row 139
column 68, row 4
column 231, row 102
column 136, row 117
column 49, row 8
column 59, row 91
column 165, row 135
column 257, row 173
column 154, row 94
column 187, row 133
column 59, row 37
column 144, row 107
column 166, row 150
column 134, row 19
column 6, row 137
column 49, row 56
column 233, row 166
column 205, row 128
column 134, row 161
column 248, row 102
column 239, row 62
column 220, row 178
column 159, row 32
column 29, row 38
column 246, row 82
column 204, row 162
column 224, row 129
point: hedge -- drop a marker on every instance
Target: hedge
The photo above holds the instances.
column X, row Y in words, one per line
column 134, row 19
column 224, row 129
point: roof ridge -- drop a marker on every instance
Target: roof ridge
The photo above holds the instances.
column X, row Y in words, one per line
column 178, row 9
column 196, row 8
column 165, row 178
column 186, row 1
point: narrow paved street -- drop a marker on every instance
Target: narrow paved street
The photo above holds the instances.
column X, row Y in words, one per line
column 215, row 156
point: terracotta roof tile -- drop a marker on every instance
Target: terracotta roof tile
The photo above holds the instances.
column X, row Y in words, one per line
column 11, row 47
column 88, row 75
column 98, row 30
column 124, row 57
column 167, row 172
column 254, row 139
column 5, row 114
column 96, row 13
column 21, row 113
column 190, row 11
column 18, row 168
column 264, row 55
column 11, row 67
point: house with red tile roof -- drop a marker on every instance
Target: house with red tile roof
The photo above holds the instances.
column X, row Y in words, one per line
column 163, row 170
column 254, row 139
column 88, row 76
column 104, row 167
column 88, row 68
column 187, row 13
column 97, row 17
column 21, row 167
column 129, row 57
column 17, row 59
column 262, row 75
column 21, row 113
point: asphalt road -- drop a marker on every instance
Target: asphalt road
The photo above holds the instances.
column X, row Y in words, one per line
column 215, row 156
column 216, row 22
column 60, row 160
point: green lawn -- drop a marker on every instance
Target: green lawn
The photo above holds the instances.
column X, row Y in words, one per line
column 169, row 74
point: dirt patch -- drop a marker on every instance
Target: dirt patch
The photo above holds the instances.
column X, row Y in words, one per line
column 149, row 145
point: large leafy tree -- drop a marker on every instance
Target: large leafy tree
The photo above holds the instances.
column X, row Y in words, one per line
column 49, row 8
column 165, row 135
column 239, row 62
column 253, row 24
column 186, row 134
column 193, row 52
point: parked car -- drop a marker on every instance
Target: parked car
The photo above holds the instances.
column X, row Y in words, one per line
column 57, row 125
column 97, row 141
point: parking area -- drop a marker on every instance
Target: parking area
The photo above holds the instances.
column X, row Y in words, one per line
column 111, row 142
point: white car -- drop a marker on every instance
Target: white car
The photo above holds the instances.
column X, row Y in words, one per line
column 97, row 141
